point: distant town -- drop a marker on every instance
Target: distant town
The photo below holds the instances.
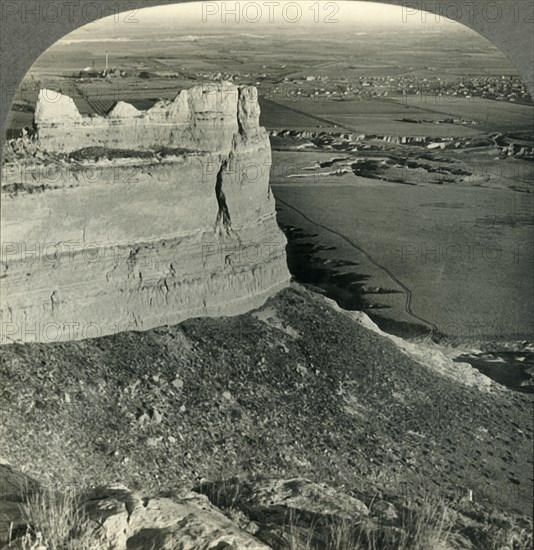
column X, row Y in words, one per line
column 497, row 88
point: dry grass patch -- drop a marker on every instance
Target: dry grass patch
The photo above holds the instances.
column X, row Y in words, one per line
column 423, row 526
column 56, row 521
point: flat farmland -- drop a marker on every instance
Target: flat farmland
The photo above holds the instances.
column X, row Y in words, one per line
column 364, row 106
column 464, row 253
column 277, row 116
column 384, row 125
column 382, row 117
column 492, row 116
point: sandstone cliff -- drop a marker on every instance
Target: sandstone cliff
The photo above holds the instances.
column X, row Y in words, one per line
column 139, row 218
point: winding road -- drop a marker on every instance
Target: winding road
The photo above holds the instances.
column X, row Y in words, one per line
column 407, row 292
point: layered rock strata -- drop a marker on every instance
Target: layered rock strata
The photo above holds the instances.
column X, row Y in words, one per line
column 139, row 218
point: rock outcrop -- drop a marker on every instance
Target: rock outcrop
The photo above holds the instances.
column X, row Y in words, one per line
column 208, row 117
column 122, row 520
column 243, row 514
column 139, row 218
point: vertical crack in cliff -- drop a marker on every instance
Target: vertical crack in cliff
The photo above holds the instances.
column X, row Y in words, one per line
column 223, row 215
column 240, row 128
column 54, row 301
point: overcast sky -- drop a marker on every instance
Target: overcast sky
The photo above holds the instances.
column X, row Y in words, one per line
column 278, row 13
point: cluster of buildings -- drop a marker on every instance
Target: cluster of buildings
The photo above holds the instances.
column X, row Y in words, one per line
column 499, row 88
column 89, row 72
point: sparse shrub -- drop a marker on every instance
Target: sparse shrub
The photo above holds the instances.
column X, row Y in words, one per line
column 299, row 537
column 345, row 535
column 225, row 493
column 56, row 521
column 423, row 526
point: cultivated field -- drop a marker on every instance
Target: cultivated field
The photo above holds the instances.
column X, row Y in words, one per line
column 464, row 253
column 492, row 116
column 385, row 116
column 276, row 116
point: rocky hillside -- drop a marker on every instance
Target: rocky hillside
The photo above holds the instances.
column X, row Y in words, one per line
column 295, row 390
